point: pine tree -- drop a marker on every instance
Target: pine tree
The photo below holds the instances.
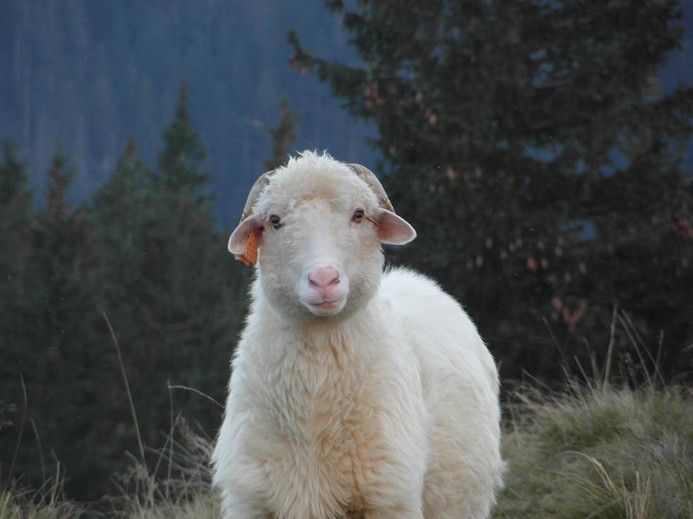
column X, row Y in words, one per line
column 17, row 301
column 53, row 337
column 120, row 216
column 167, row 288
column 528, row 143
column 65, row 382
column 180, row 160
column 126, row 214
column 16, row 223
column 282, row 136
column 12, row 175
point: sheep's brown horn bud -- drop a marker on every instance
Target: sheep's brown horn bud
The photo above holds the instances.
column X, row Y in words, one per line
column 255, row 192
column 369, row 178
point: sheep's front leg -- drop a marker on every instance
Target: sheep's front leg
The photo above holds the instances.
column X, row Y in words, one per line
column 397, row 512
column 235, row 507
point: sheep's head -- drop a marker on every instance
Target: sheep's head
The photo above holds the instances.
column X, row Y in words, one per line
column 319, row 225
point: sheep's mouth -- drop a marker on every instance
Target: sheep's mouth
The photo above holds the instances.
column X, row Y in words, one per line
column 326, row 308
column 327, row 305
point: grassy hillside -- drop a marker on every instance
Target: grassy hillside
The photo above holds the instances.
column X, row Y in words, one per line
column 600, row 452
column 588, row 452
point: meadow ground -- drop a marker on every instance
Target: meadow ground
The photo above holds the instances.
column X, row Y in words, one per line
column 593, row 450
column 588, row 452
column 600, row 452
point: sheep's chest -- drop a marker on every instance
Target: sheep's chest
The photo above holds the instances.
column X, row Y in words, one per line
column 324, row 415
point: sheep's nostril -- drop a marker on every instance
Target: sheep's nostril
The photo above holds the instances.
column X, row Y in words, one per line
column 323, row 277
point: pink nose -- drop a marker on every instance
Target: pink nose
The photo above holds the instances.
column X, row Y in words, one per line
column 323, row 278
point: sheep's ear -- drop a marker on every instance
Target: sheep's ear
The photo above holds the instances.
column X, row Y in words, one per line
column 245, row 239
column 392, row 229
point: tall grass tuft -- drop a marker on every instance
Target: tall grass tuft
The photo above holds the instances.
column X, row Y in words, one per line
column 178, row 486
column 598, row 449
column 45, row 503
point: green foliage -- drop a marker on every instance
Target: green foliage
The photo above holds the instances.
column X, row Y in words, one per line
column 530, row 145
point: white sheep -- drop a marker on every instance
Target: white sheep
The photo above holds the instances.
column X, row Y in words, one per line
column 354, row 392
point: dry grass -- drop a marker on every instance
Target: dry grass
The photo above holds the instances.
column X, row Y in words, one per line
column 178, row 485
column 593, row 450
column 600, row 453
column 598, row 449
column 45, row 503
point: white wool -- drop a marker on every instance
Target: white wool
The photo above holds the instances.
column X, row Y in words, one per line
column 386, row 408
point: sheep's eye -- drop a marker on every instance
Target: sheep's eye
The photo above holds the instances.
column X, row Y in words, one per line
column 275, row 221
column 358, row 215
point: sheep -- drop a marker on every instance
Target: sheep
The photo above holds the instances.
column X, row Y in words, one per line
column 354, row 392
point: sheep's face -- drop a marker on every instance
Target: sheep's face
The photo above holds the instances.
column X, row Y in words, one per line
column 320, row 228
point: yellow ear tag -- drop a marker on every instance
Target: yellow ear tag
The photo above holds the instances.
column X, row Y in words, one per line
column 249, row 256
